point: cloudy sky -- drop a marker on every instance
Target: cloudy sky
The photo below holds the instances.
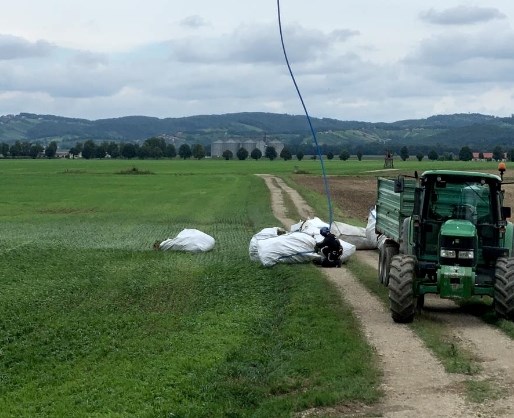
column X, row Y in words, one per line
column 366, row 60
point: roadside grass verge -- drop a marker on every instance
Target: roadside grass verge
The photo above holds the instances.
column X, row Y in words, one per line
column 93, row 322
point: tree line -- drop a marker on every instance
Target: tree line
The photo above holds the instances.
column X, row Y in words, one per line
column 156, row 148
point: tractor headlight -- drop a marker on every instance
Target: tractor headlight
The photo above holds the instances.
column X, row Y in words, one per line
column 467, row 255
column 448, row 253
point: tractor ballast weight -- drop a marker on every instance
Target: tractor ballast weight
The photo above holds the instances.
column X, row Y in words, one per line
column 446, row 233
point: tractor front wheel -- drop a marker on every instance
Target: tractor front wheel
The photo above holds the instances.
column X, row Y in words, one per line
column 504, row 288
column 401, row 288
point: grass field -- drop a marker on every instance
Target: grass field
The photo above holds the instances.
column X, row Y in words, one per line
column 95, row 323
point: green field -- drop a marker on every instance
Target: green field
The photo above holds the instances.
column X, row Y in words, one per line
column 95, row 323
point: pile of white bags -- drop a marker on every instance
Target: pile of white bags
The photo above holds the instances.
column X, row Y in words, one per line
column 191, row 240
column 297, row 246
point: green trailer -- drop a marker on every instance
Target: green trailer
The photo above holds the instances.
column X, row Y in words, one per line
column 446, row 232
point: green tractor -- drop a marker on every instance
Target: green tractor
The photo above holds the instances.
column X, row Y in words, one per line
column 446, row 232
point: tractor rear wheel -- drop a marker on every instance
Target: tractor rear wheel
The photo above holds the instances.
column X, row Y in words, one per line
column 504, row 288
column 401, row 288
column 387, row 252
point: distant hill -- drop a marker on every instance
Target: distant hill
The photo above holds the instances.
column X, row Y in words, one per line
column 446, row 132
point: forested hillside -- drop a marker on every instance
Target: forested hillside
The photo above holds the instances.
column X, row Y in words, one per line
column 443, row 132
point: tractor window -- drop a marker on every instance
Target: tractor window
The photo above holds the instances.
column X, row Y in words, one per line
column 469, row 201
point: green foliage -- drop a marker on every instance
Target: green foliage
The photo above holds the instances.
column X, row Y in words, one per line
column 330, row 155
column 344, row 155
column 465, row 154
column 433, row 155
column 242, row 154
column 198, row 151
column 285, row 154
column 184, row 151
column 95, row 323
column 404, row 153
column 256, row 154
column 299, row 155
column 270, row 153
column 227, row 154
column 419, row 156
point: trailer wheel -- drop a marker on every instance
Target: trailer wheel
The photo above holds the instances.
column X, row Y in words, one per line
column 401, row 288
column 387, row 252
column 504, row 288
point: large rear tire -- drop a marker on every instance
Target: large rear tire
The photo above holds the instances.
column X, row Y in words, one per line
column 504, row 288
column 387, row 252
column 401, row 288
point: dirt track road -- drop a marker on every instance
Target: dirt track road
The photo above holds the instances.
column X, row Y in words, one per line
column 415, row 383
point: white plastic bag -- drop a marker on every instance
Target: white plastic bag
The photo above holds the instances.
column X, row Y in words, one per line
column 266, row 233
column 295, row 247
column 191, row 240
column 355, row 235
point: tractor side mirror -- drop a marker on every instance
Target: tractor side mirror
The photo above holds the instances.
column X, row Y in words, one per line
column 506, row 212
column 399, row 185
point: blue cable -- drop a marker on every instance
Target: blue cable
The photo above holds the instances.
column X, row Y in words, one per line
column 325, row 179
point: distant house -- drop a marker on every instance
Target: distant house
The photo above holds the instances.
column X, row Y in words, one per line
column 486, row 156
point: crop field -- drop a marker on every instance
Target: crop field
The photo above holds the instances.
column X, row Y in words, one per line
column 93, row 322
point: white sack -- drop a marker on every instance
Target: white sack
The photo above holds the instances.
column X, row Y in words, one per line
column 266, row 233
column 191, row 240
column 371, row 235
column 309, row 226
column 348, row 250
column 355, row 235
column 295, row 247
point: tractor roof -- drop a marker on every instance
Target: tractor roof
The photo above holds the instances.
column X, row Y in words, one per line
column 467, row 174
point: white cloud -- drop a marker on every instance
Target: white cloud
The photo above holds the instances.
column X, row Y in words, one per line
column 363, row 60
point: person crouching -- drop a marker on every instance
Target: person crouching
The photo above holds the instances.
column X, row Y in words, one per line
column 330, row 248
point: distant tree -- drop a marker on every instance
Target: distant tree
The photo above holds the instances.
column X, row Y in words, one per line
column 128, row 150
column 511, row 154
column 344, row 154
column 359, row 155
column 420, row 156
column 198, row 151
column 184, row 151
column 227, row 154
column 330, row 155
column 432, row 155
column 156, row 153
column 285, row 154
column 242, row 154
column 448, row 156
column 4, row 149
column 270, row 153
column 35, row 150
column 88, row 150
column 480, row 155
column 404, row 153
column 156, row 142
column 465, row 154
column 171, row 151
column 113, row 149
column 299, row 155
column 101, row 150
column 256, row 154
column 51, row 149
column 498, row 153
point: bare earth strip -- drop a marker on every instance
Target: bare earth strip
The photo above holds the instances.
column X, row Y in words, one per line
column 415, row 384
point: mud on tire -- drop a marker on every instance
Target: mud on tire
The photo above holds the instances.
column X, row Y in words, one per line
column 401, row 288
column 504, row 288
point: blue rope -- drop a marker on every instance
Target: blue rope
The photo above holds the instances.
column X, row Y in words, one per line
column 325, row 179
